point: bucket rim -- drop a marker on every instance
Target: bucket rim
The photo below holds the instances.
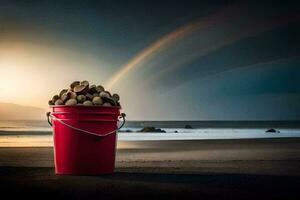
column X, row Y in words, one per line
column 83, row 112
column 76, row 106
column 90, row 120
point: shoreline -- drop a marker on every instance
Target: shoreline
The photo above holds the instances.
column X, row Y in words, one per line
column 210, row 169
column 254, row 156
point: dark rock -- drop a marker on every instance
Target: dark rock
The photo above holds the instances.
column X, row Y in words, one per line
column 188, row 126
column 175, row 131
column 106, row 103
column 97, row 101
column 50, row 102
column 87, row 103
column 125, row 131
column 92, row 89
column 81, row 98
column 71, row 102
column 89, row 96
column 86, row 83
column 64, row 97
column 152, row 130
column 96, row 95
column 272, row 130
column 59, row 102
column 54, row 98
column 71, row 95
column 81, row 89
column 62, row 92
column 104, row 94
column 100, row 88
column 116, row 97
column 109, row 100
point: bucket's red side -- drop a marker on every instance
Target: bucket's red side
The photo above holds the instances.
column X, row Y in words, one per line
column 80, row 153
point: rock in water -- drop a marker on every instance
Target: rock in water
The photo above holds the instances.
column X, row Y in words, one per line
column 59, row 102
column 188, row 126
column 272, row 130
column 71, row 102
column 87, row 103
column 97, row 101
column 152, row 130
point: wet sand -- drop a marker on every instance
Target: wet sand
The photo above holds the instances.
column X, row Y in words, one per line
column 213, row 169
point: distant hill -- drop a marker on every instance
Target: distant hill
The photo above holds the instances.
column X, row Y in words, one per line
column 10, row 111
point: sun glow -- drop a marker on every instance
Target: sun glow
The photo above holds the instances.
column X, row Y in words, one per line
column 31, row 73
column 16, row 81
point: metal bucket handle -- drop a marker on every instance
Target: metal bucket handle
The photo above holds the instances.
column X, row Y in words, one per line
column 49, row 115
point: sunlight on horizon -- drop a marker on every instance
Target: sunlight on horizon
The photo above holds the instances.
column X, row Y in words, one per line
column 32, row 73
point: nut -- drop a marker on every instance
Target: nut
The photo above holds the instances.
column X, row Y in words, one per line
column 81, row 98
column 59, row 102
column 74, row 84
column 116, row 97
column 97, row 101
column 95, row 95
column 71, row 102
column 50, row 102
column 104, row 94
column 89, row 96
column 54, row 98
column 62, row 92
column 100, row 88
column 81, row 93
column 87, row 103
column 81, row 89
column 106, row 104
column 71, row 95
column 92, row 89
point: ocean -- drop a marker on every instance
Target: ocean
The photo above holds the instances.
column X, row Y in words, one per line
column 38, row 133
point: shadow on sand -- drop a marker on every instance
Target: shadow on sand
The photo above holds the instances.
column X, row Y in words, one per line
column 42, row 183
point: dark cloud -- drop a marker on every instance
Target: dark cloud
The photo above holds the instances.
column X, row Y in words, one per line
column 248, row 77
column 272, row 45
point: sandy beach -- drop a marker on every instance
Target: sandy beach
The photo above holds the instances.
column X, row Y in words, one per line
column 213, row 169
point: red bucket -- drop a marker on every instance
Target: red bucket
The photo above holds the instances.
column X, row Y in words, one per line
column 84, row 139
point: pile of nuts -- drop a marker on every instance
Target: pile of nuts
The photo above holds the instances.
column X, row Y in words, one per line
column 81, row 93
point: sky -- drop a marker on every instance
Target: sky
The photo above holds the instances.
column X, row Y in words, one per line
column 179, row 60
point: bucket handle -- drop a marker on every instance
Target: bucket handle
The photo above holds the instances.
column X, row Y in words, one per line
column 49, row 115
